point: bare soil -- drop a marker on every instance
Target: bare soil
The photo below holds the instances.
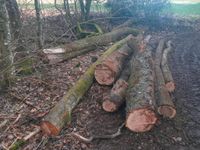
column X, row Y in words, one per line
column 31, row 97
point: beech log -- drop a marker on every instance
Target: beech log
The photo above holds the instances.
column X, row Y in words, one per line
column 109, row 70
column 61, row 113
column 100, row 40
column 169, row 82
column 140, row 102
column 118, row 92
column 165, row 104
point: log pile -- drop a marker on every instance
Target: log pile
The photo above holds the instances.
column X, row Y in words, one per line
column 134, row 75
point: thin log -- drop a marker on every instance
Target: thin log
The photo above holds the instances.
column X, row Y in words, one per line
column 169, row 82
column 118, row 92
column 61, row 113
column 165, row 104
column 128, row 23
column 109, row 70
column 140, row 102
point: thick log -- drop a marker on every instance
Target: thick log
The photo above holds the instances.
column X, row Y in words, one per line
column 140, row 102
column 109, row 70
column 61, row 113
column 118, row 92
column 165, row 104
column 169, row 82
column 100, row 40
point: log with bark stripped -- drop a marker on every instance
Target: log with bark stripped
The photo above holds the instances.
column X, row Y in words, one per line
column 140, row 102
column 109, row 70
column 169, row 82
column 165, row 104
column 118, row 92
column 61, row 113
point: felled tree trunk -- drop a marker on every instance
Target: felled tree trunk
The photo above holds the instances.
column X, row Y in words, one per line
column 61, row 113
column 140, row 94
column 118, row 92
column 165, row 104
column 109, row 70
column 86, row 45
column 169, row 82
column 100, row 40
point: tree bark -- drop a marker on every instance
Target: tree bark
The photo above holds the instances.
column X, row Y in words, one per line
column 140, row 100
column 169, row 82
column 165, row 104
column 14, row 17
column 109, row 70
column 39, row 23
column 5, row 54
column 118, row 91
column 61, row 113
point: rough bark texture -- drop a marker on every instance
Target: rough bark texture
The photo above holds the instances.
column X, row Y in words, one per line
column 39, row 23
column 165, row 104
column 140, row 94
column 5, row 54
column 118, row 92
column 169, row 82
column 109, row 70
column 14, row 15
column 61, row 113
column 100, row 40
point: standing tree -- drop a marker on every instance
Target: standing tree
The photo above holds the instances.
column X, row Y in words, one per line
column 39, row 23
column 85, row 6
column 5, row 54
column 14, row 17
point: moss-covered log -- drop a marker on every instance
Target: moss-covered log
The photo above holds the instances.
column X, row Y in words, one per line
column 61, row 113
column 165, row 104
column 109, row 70
column 140, row 102
column 118, row 92
column 100, row 40
column 128, row 23
column 169, row 82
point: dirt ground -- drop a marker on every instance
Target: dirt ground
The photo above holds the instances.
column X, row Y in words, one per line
column 31, row 97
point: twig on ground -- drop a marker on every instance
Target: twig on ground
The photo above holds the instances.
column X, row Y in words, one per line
column 111, row 136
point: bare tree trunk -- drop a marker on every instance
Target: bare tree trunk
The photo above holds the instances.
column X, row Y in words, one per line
column 39, row 23
column 67, row 9
column 14, row 17
column 5, row 61
column 85, row 8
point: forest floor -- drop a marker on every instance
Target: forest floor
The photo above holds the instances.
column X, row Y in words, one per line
column 31, row 97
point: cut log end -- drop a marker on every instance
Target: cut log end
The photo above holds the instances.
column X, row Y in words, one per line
column 104, row 75
column 167, row 111
column 49, row 128
column 109, row 106
column 141, row 120
column 170, row 86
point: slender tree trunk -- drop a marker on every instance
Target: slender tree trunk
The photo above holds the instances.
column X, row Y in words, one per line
column 14, row 17
column 39, row 23
column 87, row 8
column 5, row 61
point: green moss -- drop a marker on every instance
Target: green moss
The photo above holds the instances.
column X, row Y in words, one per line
column 25, row 67
column 17, row 144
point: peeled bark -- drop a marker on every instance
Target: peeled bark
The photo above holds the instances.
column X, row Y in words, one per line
column 118, row 92
column 165, row 104
column 169, row 82
column 140, row 100
column 61, row 113
column 109, row 70
column 100, row 40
